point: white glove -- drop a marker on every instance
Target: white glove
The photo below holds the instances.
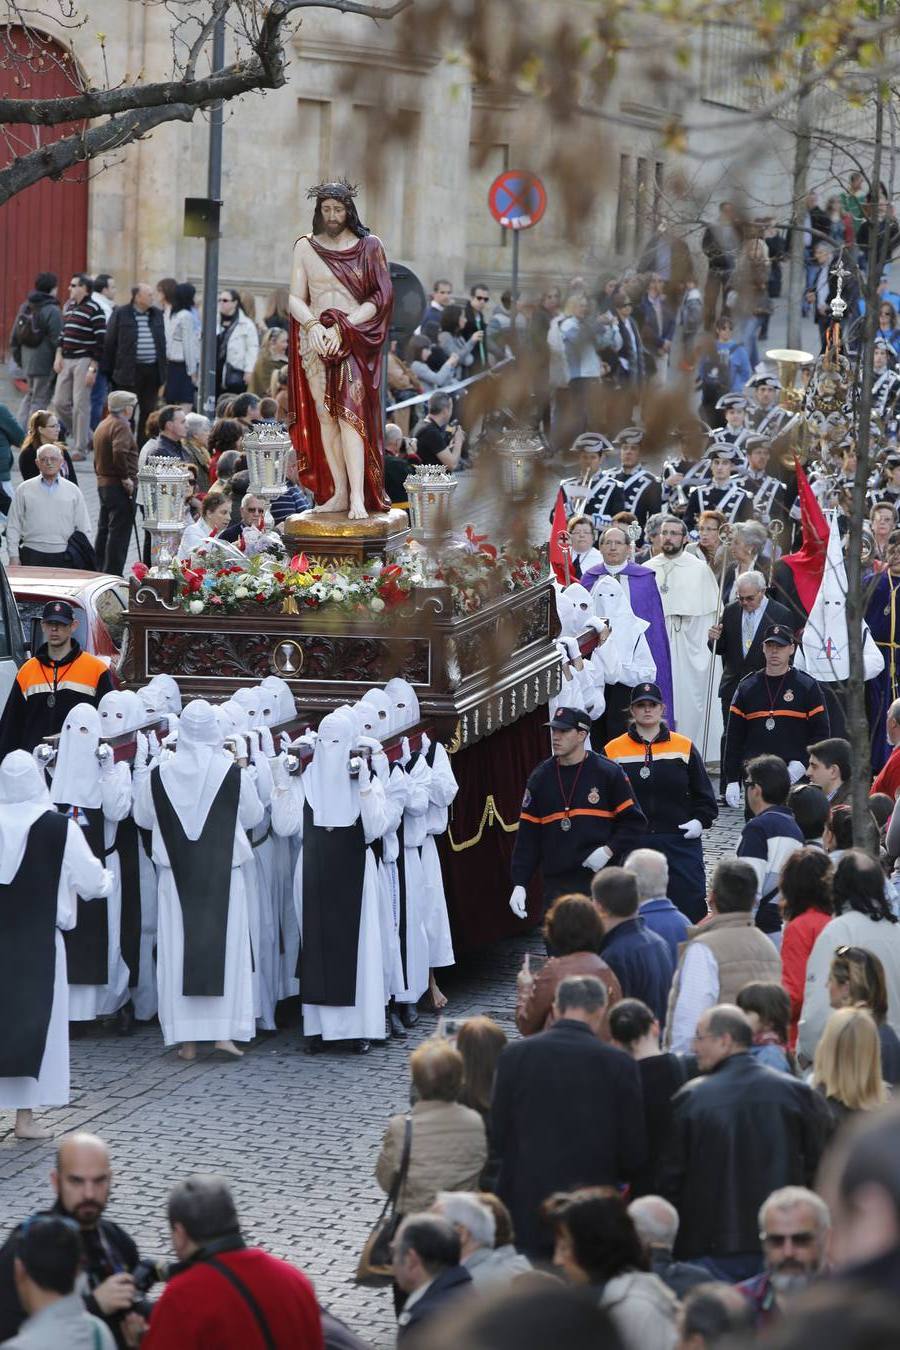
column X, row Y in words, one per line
column 733, row 795
column 517, row 901
column 598, row 625
column 796, row 770
column 365, row 774
column 405, row 752
column 241, row 747
column 142, row 750
column 266, row 744
column 281, row 779
column 371, row 742
column 107, row 760
column 692, row 829
column 285, row 740
column 252, row 739
column 599, row 858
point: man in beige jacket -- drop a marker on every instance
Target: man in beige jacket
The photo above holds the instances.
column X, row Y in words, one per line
column 721, row 955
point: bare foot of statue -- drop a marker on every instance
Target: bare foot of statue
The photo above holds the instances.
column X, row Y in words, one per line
column 438, row 1000
column 338, row 502
column 229, row 1048
column 357, row 509
column 26, row 1128
column 187, row 1051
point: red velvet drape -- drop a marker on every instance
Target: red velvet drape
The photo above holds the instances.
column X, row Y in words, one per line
column 476, row 876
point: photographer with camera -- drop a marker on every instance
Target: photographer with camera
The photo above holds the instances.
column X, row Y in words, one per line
column 82, row 1179
column 222, row 1292
column 438, row 440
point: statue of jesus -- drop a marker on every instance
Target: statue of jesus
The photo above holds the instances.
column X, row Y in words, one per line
column 341, row 296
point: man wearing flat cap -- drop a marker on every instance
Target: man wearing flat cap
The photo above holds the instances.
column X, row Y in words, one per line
column 116, row 463
column 578, row 813
column 48, row 686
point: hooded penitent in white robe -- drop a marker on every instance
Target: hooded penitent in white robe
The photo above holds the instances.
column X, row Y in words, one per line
column 81, row 782
column 337, row 800
column 690, row 597
column 389, row 893
column 23, row 800
column 824, row 652
column 191, row 778
column 122, row 712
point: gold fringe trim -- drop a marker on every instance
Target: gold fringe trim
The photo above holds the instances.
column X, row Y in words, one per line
column 489, row 817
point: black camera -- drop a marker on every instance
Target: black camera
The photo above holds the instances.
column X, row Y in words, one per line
column 147, row 1273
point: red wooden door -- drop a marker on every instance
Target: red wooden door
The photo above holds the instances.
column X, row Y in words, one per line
column 44, row 228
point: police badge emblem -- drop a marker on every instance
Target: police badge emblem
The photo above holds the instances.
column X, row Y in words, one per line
column 788, row 696
column 593, row 796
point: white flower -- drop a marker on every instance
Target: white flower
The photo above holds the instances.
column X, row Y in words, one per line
column 196, row 606
column 376, row 603
column 241, row 592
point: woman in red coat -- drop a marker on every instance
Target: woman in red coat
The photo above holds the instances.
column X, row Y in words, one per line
column 806, row 908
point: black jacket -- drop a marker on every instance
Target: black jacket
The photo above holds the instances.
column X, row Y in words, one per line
column 447, row 1286
column 735, row 665
column 119, row 361
column 738, row 1133
column 115, row 1243
column 642, row 961
column 37, row 361
column 567, row 1112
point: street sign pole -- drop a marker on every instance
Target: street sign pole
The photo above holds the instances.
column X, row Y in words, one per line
column 515, row 271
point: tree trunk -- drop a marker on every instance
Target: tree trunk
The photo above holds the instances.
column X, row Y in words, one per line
column 797, row 269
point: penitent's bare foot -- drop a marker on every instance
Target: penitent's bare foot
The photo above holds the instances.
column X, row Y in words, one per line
column 229, row 1048
column 357, row 509
column 187, row 1051
column 438, row 1000
column 338, row 502
column 26, row 1127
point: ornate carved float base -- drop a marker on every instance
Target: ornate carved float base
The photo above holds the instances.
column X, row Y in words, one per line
column 473, row 673
column 330, row 534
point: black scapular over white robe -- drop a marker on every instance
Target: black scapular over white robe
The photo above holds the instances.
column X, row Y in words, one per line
column 45, row 864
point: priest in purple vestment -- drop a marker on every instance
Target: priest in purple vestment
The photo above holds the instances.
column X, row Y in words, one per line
column 643, row 594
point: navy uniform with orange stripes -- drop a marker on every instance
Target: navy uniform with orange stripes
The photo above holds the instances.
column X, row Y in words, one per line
column 568, row 812
column 773, row 715
column 46, row 691
column 672, row 788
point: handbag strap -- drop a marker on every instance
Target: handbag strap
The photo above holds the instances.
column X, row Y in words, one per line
column 397, row 1183
column 258, row 1316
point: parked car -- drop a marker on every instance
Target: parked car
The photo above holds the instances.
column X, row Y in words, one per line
column 12, row 638
column 100, row 602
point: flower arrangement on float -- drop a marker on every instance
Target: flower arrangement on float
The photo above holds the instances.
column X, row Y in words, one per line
column 476, row 572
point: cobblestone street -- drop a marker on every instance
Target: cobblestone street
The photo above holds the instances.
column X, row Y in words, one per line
column 297, row 1137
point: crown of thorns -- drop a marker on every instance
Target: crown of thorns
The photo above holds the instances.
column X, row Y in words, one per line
column 341, row 191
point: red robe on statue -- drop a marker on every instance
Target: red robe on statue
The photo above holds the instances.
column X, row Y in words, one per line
column 352, row 376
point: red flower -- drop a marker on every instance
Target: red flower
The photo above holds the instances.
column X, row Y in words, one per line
column 216, row 600
column 260, row 599
column 279, row 576
column 299, row 563
column 139, row 570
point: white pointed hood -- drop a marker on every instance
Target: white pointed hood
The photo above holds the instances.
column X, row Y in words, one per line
column 404, row 704
column 23, row 799
column 285, row 706
column 76, row 773
column 574, row 606
column 120, row 711
column 330, row 791
column 193, row 774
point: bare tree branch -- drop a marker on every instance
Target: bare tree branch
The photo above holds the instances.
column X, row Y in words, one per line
column 264, row 70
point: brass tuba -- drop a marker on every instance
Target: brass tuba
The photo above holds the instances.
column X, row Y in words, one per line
column 790, row 361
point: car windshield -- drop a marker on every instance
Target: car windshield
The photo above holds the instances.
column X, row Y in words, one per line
column 111, row 604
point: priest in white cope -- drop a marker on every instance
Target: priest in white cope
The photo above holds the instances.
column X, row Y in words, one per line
column 200, row 803
column 96, row 794
column 690, row 599
column 45, row 864
column 337, row 816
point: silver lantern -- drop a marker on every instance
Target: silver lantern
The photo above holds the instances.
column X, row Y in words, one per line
column 429, row 492
column 267, row 447
column 164, row 486
column 520, row 453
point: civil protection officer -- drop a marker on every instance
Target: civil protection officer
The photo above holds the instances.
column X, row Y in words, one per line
column 578, row 813
column 672, row 788
column 775, row 711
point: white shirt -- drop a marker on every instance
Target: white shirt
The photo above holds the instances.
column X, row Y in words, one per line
column 698, row 991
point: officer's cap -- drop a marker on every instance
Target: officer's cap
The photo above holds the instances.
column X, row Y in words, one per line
column 570, row 719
